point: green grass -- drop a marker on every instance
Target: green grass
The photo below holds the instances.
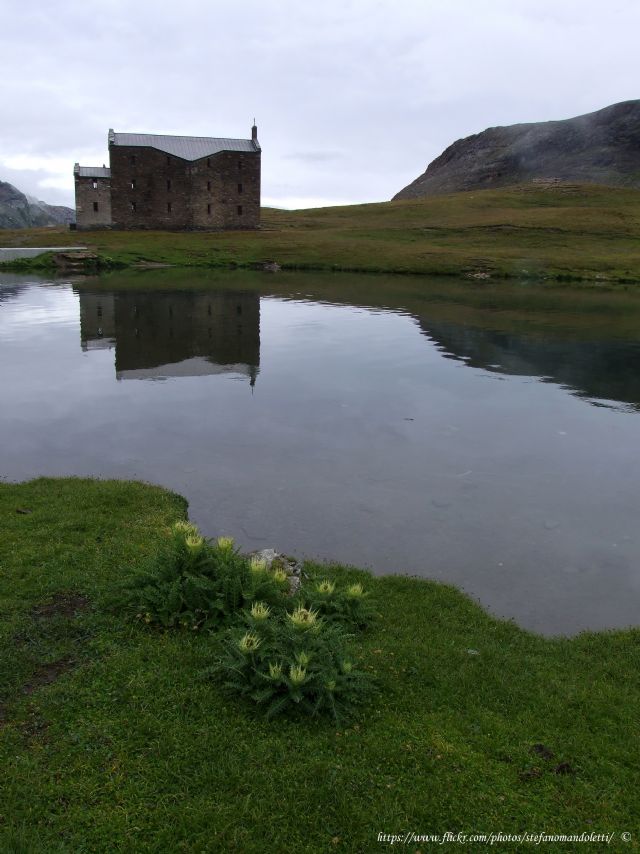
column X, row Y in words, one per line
column 567, row 233
column 129, row 750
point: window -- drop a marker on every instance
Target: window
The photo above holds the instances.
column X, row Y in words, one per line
column 94, row 184
column 209, row 186
column 168, row 160
column 208, row 162
column 209, row 209
column 95, row 206
column 169, row 186
column 239, row 210
column 239, row 165
column 133, row 207
column 169, row 207
column 132, row 160
column 239, row 188
column 133, row 183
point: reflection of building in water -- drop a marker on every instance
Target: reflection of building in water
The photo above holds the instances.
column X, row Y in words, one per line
column 97, row 321
column 178, row 334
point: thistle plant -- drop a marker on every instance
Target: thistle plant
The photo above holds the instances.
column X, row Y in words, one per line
column 304, row 618
column 349, row 606
column 260, row 611
column 283, row 669
column 195, row 584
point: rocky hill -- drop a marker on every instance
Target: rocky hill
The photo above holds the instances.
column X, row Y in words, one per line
column 20, row 211
column 598, row 148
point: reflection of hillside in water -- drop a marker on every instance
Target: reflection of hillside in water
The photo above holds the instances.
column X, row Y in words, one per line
column 174, row 334
column 597, row 370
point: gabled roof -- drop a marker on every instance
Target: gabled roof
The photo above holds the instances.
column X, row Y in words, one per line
column 91, row 171
column 186, row 147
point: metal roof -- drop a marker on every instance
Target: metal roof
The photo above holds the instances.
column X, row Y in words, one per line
column 186, row 147
column 92, row 171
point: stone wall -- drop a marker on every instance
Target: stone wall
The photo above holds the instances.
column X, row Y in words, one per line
column 154, row 190
column 93, row 202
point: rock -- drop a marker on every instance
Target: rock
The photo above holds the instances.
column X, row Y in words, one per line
column 597, row 148
column 267, row 555
column 275, row 560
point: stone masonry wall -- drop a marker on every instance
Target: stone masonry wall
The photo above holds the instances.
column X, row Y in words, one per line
column 87, row 197
column 154, row 190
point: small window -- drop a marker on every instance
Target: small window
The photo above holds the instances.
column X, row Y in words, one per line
column 208, row 162
column 169, row 207
column 95, row 206
column 239, row 188
column 209, row 186
column 133, row 207
column 239, row 165
column 209, row 209
column 132, row 160
column 239, row 210
column 133, row 183
column 94, row 184
column 168, row 186
column 168, row 160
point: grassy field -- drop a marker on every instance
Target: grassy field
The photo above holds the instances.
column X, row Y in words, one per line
column 565, row 233
column 111, row 741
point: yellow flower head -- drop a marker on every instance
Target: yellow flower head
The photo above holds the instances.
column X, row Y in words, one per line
column 347, row 666
column 249, row 643
column 325, row 586
column 275, row 671
column 355, row 591
column 194, row 543
column 304, row 618
column 257, row 565
column 186, row 528
column 303, row 658
column 280, row 575
column 225, row 544
column 260, row 611
column 297, row 674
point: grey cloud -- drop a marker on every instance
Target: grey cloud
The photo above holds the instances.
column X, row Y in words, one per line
column 353, row 97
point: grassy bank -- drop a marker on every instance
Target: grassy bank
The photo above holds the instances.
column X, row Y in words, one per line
column 566, row 233
column 111, row 741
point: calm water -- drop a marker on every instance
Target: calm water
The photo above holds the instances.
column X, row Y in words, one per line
column 484, row 437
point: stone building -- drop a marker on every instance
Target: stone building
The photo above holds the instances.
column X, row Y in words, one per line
column 172, row 183
column 93, row 196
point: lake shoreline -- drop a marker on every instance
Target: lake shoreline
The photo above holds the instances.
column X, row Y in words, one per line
column 584, row 234
column 104, row 712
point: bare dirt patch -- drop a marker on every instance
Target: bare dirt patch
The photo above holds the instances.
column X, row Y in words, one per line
column 62, row 605
column 48, row 673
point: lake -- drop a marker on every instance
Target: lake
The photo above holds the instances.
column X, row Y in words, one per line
column 480, row 434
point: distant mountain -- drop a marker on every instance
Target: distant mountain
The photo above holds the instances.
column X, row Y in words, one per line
column 20, row 211
column 598, row 148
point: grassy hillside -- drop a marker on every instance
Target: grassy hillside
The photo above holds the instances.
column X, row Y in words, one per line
column 112, row 740
column 559, row 232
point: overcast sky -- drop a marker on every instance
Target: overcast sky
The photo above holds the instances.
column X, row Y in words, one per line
column 352, row 97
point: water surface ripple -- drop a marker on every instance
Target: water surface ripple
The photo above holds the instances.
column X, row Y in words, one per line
column 486, row 439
